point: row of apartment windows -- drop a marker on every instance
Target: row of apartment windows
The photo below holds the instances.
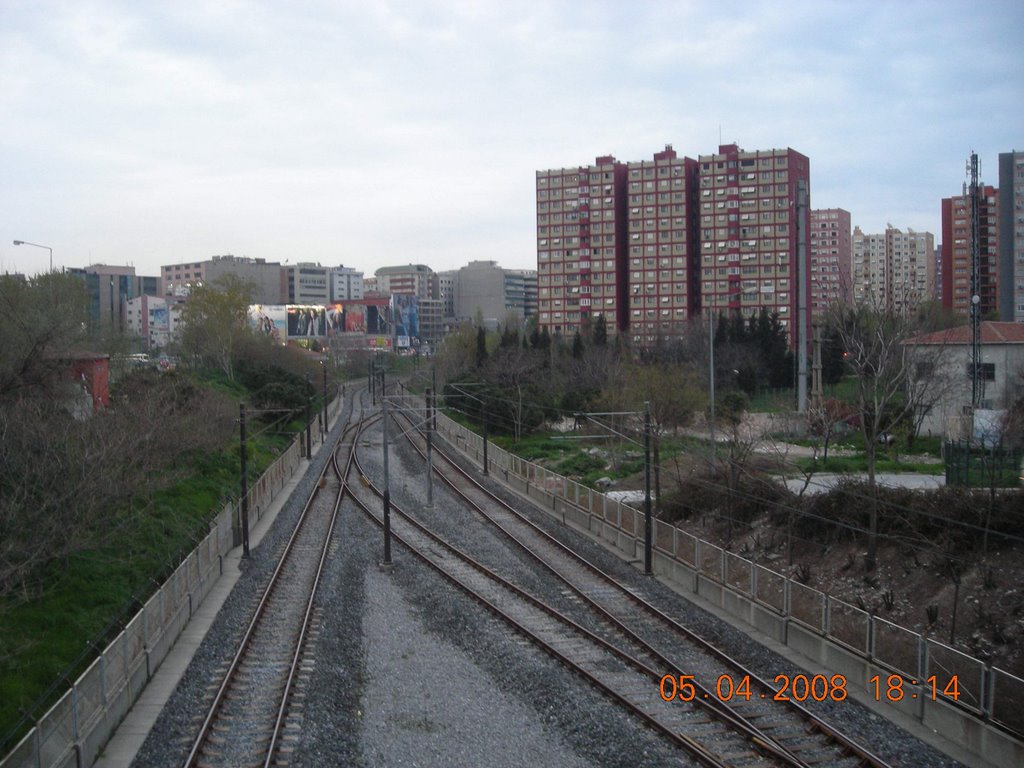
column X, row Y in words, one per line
column 745, row 162
column 648, row 171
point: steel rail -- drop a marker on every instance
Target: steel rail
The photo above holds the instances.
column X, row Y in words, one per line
column 237, row 660
column 749, row 734
column 828, row 731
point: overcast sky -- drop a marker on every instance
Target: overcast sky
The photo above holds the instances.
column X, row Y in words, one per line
column 374, row 133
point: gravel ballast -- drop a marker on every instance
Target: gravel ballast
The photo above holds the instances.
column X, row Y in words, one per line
column 410, row 671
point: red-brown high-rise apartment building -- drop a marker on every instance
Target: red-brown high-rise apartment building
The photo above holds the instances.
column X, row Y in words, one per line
column 662, row 246
column 831, row 259
column 581, row 247
column 748, row 232
column 626, row 241
column 956, row 252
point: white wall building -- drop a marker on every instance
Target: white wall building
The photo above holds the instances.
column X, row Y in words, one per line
column 153, row 318
column 346, row 284
column 944, row 359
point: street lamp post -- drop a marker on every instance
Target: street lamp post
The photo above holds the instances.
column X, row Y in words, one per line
column 37, row 245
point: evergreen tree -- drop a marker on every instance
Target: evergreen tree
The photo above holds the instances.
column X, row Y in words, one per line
column 577, row 346
column 481, row 347
column 601, row 332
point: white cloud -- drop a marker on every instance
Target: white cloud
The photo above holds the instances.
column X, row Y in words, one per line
column 405, row 131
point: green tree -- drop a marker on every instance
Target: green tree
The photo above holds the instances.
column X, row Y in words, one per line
column 215, row 322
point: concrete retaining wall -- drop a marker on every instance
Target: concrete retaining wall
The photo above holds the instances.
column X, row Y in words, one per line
column 75, row 729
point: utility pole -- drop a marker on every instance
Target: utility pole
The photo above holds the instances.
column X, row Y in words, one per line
column 430, row 458
column 433, row 389
column 309, row 445
column 483, row 418
column 387, row 488
column 244, row 482
column 711, row 369
column 648, row 523
column 370, row 379
column 801, row 308
column 325, row 400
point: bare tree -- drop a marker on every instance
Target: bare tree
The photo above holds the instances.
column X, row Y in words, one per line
column 65, row 484
column 43, row 318
column 874, row 337
column 825, row 418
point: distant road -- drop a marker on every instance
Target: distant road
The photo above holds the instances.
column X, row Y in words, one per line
column 826, row 480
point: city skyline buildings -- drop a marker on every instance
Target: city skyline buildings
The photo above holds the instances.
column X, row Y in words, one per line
column 201, row 131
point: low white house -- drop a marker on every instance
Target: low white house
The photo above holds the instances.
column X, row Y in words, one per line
column 942, row 361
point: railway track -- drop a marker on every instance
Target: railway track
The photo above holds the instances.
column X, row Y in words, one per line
column 690, row 667
column 624, row 669
column 256, row 710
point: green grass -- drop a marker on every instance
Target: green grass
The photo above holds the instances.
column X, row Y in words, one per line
column 858, row 465
column 98, row 590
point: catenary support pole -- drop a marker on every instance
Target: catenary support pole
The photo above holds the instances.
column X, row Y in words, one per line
column 309, row 443
column 244, row 482
column 647, row 488
column 387, row 488
column 430, row 458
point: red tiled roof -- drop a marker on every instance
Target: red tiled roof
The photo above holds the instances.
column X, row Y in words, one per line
column 991, row 333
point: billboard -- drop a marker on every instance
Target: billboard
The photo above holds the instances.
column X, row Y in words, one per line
column 306, row 322
column 355, row 318
column 378, row 319
column 270, row 320
column 405, row 309
column 372, row 318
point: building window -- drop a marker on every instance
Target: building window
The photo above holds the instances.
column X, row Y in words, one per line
column 986, row 371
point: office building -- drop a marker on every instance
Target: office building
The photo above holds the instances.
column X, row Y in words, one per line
column 109, row 288
column 346, row 284
column 153, row 318
column 306, row 283
column 178, row 279
column 497, row 296
column 415, row 279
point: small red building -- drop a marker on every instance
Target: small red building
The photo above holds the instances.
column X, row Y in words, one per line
column 92, row 371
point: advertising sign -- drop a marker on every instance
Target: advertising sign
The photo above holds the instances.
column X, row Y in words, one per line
column 306, row 322
column 405, row 311
column 269, row 319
